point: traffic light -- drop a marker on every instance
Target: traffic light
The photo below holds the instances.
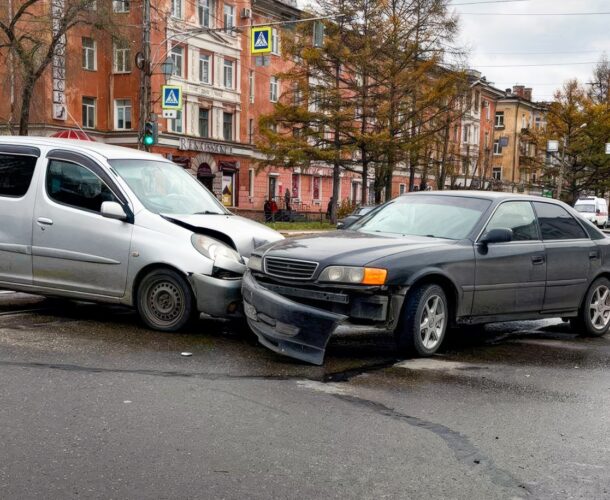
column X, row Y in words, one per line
column 150, row 136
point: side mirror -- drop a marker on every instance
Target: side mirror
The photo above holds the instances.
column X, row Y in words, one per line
column 113, row 210
column 499, row 235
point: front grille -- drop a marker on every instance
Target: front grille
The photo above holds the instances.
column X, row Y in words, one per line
column 289, row 268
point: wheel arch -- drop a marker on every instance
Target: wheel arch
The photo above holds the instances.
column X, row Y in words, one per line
column 442, row 280
column 153, row 267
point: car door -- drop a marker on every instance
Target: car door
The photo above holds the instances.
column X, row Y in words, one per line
column 572, row 257
column 74, row 247
column 510, row 276
column 17, row 195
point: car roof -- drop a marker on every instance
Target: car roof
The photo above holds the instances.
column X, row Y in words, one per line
column 484, row 195
column 108, row 151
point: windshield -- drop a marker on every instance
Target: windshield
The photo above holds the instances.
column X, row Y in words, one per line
column 588, row 209
column 364, row 210
column 165, row 188
column 450, row 217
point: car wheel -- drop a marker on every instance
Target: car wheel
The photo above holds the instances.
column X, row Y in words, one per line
column 425, row 317
column 594, row 317
column 165, row 301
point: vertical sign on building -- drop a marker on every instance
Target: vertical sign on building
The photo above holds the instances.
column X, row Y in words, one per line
column 59, row 62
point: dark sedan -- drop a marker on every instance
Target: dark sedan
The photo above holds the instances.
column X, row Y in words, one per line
column 354, row 216
column 427, row 261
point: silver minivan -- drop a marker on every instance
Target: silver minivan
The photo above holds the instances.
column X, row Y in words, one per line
column 96, row 222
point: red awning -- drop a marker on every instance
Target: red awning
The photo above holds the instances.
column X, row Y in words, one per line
column 73, row 134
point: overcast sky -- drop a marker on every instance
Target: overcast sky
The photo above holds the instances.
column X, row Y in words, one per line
column 516, row 40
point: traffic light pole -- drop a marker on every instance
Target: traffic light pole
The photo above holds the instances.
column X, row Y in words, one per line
column 145, row 86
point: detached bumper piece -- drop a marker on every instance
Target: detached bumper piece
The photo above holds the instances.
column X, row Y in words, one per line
column 217, row 297
column 287, row 327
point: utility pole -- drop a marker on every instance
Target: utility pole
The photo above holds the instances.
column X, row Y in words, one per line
column 145, row 84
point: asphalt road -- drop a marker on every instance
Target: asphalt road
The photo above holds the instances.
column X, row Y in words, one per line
column 95, row 406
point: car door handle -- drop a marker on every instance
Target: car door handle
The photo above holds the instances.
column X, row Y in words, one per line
column 44, row 221
column 594, row 255
column 538, row 260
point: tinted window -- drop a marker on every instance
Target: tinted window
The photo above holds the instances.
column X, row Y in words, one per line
column 15, row 174
column 518, row 216
column 77, row 186
column 451, row 217
column 557, row 224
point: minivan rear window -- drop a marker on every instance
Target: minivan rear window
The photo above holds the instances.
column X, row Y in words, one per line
column 16, row 174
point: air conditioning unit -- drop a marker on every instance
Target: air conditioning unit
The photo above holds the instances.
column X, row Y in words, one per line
column 246, row 13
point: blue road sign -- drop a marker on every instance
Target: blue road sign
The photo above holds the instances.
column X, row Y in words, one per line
column 261, row 40
column 171, row 97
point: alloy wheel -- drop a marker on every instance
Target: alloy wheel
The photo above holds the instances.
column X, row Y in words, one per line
column 432, row 322
column 599, row 307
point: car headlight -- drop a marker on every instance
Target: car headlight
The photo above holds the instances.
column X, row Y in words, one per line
column 213, row 249
column 354, row 275
column 255, row 263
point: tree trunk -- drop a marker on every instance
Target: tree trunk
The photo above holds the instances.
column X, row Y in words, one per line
column 24, row 118
column 365, row 177
column 336, row 191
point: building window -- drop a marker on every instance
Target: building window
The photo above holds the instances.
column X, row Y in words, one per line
column 89, row 54
column 538, row 121
column 176, row 8
column 497, row 148
column 175, row 124
column 497, row 173
column 273, row 89
column 229, row 17
column 251, row 130
column 251, row 183
column 122, row 114
column 177, row 56
column 402, row 188
column 487, row 106
column 206, row 12
column 205, row 68
column 466, row 136
column 275, row 42
column 499, row 119
column 227, row 126
column 204, row 122
column 228, row 68
column 477, row 99
column 121, row 57
column 317, row 188
column 251, row 86
column 88, row 112
column 524, row 121
column 475, row 133
column 121, row 5
column 296, row 186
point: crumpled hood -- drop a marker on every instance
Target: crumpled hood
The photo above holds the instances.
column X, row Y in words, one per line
column 246, row 234
column 348, row 247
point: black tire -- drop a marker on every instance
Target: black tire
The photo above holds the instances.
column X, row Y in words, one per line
column 593, row 319
column 165, row 301
column 409, row 335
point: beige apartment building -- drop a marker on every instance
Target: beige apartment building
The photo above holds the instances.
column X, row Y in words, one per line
column 512, row 167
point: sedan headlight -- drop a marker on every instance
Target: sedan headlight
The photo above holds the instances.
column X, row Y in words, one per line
column 354, row 275
column 213, row 249
column 255, row 263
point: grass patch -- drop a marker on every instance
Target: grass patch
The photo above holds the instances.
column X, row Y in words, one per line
column 300, row 226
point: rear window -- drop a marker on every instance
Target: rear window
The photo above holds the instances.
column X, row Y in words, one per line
column 16, row 174
column 557, row 224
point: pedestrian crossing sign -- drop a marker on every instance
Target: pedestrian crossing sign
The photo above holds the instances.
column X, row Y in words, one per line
column 171, row 97
column 260, row 40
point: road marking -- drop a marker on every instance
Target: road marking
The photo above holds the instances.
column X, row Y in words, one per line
column 322, row 387
column 432, row 364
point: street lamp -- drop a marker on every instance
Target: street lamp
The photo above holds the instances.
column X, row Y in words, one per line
column 167, row 67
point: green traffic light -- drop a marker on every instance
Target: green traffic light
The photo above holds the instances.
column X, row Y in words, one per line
column 149, row 140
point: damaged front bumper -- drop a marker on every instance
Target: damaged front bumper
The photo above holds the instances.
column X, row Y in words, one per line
column 217, row 297
column 285, row 326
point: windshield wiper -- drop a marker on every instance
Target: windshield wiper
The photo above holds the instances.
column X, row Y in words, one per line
column 207, row 212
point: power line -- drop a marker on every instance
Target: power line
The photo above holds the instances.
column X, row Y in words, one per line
column 488, row 1
column 535, row 65
column 542, row 53
column 535, row 13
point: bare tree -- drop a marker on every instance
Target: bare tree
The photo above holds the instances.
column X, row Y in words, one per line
column 34, row 31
